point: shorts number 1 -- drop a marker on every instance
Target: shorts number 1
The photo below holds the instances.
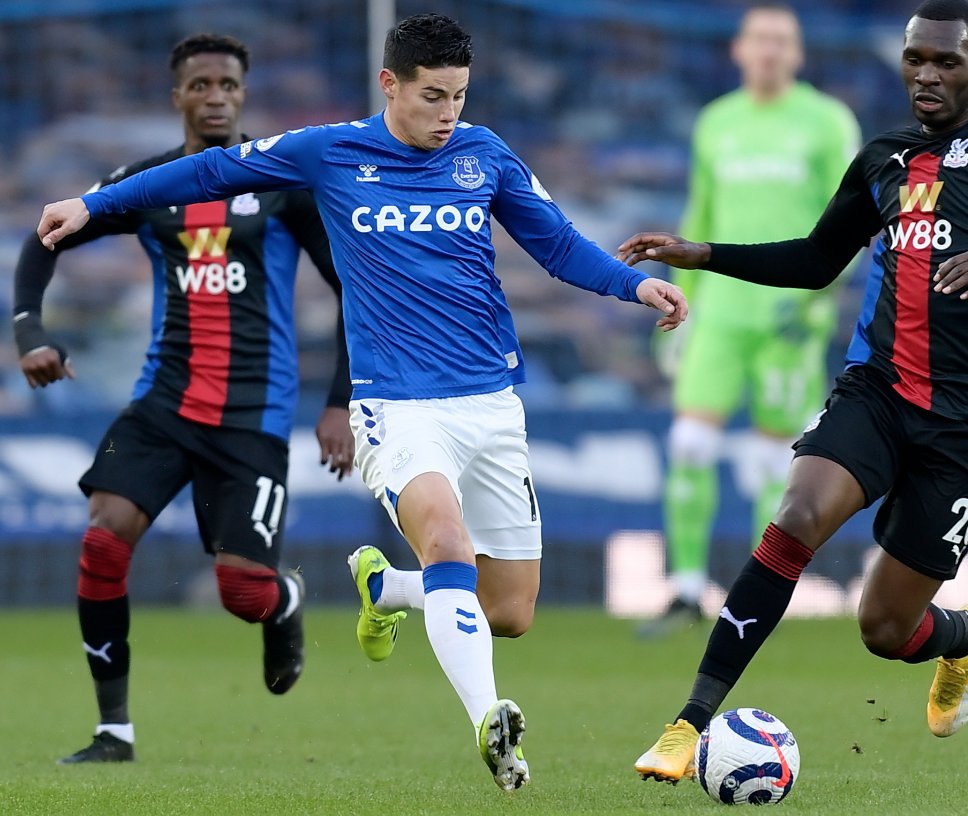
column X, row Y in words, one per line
column 534, row 504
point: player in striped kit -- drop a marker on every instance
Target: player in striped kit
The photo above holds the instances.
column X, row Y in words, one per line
column 894, row 425
column 407, row 198
column 215, row 401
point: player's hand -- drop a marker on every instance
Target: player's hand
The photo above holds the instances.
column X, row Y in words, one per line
column 667, row 298
column 60, row 219
column 664, row 247
column 45, row 365
column 336, row 444
column 952, row 276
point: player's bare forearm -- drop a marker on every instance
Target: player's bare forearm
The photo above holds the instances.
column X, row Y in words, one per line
column 337, row 446
column 667, row 298
column 665, row 248
column 60, row 219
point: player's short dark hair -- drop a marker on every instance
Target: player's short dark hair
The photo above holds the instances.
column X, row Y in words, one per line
column 428, row 41
column 943, row 10
column 208, row 44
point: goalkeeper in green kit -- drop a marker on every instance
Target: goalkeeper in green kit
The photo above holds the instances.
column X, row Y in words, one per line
column 766, row 159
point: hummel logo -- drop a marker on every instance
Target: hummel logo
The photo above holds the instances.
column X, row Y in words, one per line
column 102, row 652
column 958, row 551
column 900, row 156
column 466, row 628
column 368, row 170
column 726, row 615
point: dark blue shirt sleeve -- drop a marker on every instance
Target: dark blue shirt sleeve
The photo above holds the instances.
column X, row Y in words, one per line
column 534, row 221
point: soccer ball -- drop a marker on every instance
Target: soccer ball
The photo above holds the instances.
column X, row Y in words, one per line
column 746, row 756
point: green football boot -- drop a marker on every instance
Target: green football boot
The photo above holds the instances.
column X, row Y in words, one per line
column 376, row 631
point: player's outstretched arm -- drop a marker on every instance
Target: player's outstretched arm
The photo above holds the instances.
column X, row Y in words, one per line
column 60, row 219
column 667, row 298
column 665, row 248
column 952, row 276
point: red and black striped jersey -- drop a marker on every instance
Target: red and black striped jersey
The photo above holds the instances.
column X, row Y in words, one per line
column 918, row 185
column 223, row 344
column 912, row 190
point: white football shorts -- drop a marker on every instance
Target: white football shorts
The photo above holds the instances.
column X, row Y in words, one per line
column 477, row 442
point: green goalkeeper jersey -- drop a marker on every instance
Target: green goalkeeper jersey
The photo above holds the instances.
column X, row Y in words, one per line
column 764, row 172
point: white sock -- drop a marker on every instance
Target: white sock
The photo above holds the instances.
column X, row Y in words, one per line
column 461, row 638
column 402, row 589
column 123, row 731
column 690, row 585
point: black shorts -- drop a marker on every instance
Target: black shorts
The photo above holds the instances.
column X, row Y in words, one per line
column 238, row 476
column 915, row 458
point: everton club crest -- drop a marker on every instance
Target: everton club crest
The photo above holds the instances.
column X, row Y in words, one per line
column 467, row 172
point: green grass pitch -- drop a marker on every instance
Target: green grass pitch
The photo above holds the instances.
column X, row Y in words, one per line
column 359, row 738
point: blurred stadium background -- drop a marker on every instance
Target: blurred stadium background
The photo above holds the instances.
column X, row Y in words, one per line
column 598, row 97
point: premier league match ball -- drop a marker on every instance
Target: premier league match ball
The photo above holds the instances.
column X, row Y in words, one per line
column 747, row 756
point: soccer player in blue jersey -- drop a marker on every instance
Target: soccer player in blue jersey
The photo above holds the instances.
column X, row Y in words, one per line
column 407, row 198
column 214, row 403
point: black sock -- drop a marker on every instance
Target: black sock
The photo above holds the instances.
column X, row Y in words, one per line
column 112, row 699
column 705, row 698
column 104, row 628
column 753, row 608
column 947, row 636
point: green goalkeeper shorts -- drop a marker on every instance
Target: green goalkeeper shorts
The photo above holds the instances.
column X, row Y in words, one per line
column 782, row 381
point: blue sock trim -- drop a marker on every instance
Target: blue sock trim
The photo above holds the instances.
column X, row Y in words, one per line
column 375, row 584
column 450, row 575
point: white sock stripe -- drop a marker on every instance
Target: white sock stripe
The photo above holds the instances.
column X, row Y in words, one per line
column 123, row 731
column 293, row 588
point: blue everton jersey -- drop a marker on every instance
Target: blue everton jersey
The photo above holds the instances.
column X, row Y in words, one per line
column 410, row 232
